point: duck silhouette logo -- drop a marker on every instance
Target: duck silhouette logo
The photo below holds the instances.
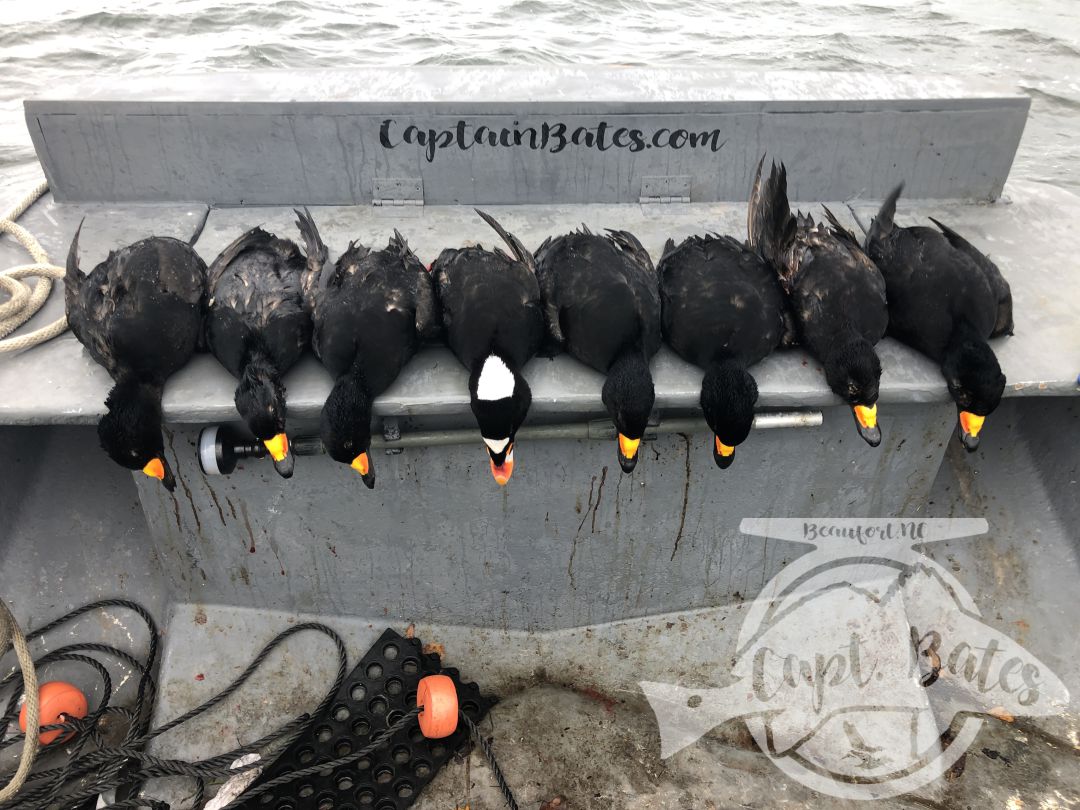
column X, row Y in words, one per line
column 863, row 670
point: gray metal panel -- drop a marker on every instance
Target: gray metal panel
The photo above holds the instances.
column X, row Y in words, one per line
column 58, row 382
column 570, row 541
column 213, row 141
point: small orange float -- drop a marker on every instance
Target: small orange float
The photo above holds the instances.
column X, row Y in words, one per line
column 437, row 696
column 59, row 702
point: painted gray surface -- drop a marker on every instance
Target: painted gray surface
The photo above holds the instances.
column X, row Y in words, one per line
column 570, row 541
column 58, row 382
column 1020, row 575
column 319, row 138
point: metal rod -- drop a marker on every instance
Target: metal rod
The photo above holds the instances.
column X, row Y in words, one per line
column 597, row 429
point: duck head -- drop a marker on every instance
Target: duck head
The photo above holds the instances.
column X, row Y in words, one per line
column 345, row 427
column 628, row 395
column 130, row 431
column 260, row 400
column 500, row 400
column 853, row 372
column 728, row 394
column 975, row 383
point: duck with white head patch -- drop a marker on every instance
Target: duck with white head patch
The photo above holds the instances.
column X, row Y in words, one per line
column 371, row 310
column 494, row 325
column 945, row 299
column 602, row 304
column 258, row 327
column 723, row 310
column 836, row 293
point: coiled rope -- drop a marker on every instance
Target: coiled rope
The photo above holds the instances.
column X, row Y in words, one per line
column 10, row 632
column 26, row 301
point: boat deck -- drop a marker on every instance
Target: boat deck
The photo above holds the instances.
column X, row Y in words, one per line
column 59, row 383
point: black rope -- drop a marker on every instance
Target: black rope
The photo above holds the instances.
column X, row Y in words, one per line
column 126, row 766
column 489, row 754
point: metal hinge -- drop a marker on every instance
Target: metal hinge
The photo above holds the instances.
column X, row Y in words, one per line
column 397, row 191
column 668, row 189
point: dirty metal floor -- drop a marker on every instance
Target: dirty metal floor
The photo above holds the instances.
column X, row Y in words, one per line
column 572, row 720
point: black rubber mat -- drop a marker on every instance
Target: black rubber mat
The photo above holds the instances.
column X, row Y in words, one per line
column 375, row 695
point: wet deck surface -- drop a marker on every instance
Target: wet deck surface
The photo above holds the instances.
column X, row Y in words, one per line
column 59, row 383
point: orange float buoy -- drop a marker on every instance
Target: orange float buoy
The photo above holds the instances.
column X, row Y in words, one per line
column 437, row 696
column 58, row 702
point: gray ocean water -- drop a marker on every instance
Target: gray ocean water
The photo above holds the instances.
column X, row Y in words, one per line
column 1033, row 45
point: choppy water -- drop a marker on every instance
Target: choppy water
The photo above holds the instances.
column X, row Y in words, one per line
column 1032, row 44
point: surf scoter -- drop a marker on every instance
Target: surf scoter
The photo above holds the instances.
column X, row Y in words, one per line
column 494, row 325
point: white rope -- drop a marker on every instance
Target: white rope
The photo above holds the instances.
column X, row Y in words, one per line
column 26, row 301
column 10, row 631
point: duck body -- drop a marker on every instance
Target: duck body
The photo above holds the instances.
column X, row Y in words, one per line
column 139, row 313
column 258, row 327
column 494, row 324
column 371, row 310
column 602, row 305
column 722, row 309
column 719, row 300
column 946, row 299
column 836, row 294
column 257, row 304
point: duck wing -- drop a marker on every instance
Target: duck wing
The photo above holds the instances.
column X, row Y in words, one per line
column 1003, row 322
column 427, row 321
column 645, row 284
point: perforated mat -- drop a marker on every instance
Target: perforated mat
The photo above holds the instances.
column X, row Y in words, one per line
column 375, row 695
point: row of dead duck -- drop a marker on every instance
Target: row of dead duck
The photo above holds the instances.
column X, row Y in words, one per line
column 720, row 303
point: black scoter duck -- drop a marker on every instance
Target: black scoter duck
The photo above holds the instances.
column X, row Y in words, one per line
column 602, row 304
column 140, row 315
column 836, row 294
column 371, row 310
column 722, row 309
column 945, row 299
column 494, row 325
column 258, row 326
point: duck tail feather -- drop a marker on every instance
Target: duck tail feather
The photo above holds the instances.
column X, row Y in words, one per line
column 882, row 224
column 316, row 251
column 199, row 228
column 519, row 250
column 629, row 245
column 72, row 275
column 669, row 248
column 838, row 228
column 770, row 225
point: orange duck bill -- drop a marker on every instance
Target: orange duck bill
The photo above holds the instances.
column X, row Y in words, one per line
column 968, row 429
column 866, row 423
column 501, row 472
column 278, row 448
column 362, row 464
